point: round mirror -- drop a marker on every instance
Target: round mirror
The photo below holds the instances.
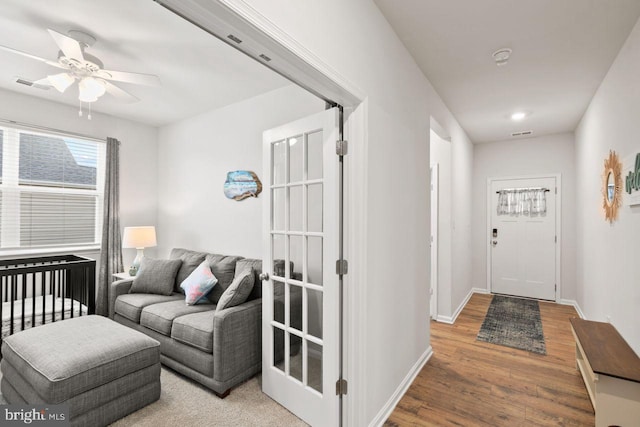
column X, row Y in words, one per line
column 611, row 187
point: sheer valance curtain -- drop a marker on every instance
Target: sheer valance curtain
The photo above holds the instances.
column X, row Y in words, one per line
column 111, row 247
column 522, row 201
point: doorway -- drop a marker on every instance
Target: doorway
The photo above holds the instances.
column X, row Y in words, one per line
column 250, row 33
column 523, row 246
column 433, row 290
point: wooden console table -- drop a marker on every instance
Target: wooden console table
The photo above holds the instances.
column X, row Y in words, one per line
column 611, row 372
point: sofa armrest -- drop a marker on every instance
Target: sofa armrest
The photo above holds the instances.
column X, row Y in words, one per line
column 119, row 287
column 237, row 339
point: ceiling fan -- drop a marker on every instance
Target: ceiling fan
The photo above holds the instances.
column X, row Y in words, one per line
column 85, row 69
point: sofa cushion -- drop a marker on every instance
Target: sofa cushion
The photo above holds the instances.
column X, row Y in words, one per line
column 238, row 291
column 198, row 284
column 159, row 317
column 131, row 305
column 195, row 330
column 190, row 260
column 156, row 276
column 223, row 267
column 256, row 264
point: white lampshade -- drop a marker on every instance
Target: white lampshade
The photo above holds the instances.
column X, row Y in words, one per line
column 61, row 81
column 139, row 237
column 91, row 89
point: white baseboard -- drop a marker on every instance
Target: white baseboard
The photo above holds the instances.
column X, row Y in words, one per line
column 575, row 305
column 391, row 404
column 452, row 319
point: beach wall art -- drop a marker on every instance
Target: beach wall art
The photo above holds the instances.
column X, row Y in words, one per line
column 242, row 184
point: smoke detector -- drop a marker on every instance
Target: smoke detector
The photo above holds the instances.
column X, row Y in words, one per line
column 501, row 56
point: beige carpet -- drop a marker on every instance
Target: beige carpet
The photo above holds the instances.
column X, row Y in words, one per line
column 186, row 403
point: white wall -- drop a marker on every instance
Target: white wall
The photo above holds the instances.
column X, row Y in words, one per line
column 531, row 156
column 607, row 255
column 138, row 151
column 354, row 39
column 194, row 157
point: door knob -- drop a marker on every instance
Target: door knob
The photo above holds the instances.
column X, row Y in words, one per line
column 264, row 276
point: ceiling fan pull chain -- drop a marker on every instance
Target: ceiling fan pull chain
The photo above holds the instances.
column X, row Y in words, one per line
column 80, row 111
column 89, row 115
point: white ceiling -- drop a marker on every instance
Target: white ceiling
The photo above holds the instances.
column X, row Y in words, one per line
column 562, row 50
column 198, row 71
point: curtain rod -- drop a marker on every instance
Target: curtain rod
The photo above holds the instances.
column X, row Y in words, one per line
column 48, row 129
column 524, row 189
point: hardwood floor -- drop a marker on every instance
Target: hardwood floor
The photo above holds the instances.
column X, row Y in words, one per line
column 472, row 383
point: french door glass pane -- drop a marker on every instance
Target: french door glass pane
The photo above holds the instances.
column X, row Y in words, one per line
column 314, row 155
column 314, row 366
column 314, row 208
column 278, row 243
column 278, row 348
column 279, row 175
column 295, row 363
column 278, row 301
column 295, row 307
column 278, row 209
column 296, row 159
column 314, row 313
column 295, row 208
column 295, row 256
column 314, row 260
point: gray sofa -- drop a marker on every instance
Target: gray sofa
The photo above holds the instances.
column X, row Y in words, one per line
column 218, row 349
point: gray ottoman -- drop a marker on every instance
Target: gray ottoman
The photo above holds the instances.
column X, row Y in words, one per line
column 101, row 369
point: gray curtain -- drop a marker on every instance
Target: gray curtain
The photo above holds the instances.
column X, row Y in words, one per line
column 111, row 249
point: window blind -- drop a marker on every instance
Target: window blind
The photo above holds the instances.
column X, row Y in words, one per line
column 50, row 189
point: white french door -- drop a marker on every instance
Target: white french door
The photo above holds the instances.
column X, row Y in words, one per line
column 300, row 296
column 523, row 247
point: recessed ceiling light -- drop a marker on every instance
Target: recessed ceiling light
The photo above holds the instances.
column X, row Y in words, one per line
column 518, row 115
column 501, row 56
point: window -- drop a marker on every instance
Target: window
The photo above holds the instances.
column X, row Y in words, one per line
column 50, row 190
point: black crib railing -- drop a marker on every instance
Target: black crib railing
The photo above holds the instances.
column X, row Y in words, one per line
column 36, row 290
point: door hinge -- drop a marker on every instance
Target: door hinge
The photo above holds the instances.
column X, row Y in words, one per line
column 341, row 387
column 342, row 147
column 342, row 267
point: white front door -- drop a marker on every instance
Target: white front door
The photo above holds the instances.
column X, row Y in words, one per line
column 523, row 247
column 300, row 297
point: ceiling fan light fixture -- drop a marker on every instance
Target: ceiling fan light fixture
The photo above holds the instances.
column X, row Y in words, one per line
column 91, row 89
column 61, row 81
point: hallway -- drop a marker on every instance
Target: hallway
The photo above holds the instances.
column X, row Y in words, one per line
column 471, row 383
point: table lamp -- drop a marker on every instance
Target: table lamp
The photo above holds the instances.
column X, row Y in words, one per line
column 139, row 238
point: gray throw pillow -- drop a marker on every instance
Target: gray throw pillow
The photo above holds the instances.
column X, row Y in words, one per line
column 238, row 291
column 156, row 276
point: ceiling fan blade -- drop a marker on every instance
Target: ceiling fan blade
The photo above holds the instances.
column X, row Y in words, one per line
column 120, row 94
column 28, row 55
column 136, row 78
column 43, row 82
column 70, row 47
